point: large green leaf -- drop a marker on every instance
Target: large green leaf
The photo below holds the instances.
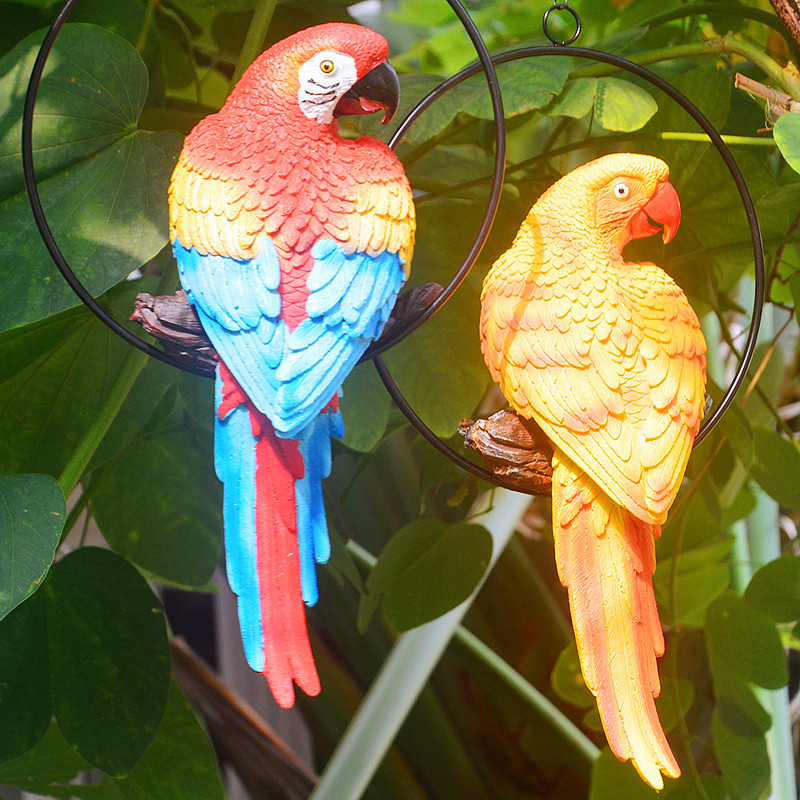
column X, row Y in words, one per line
column 55, row 378
column 25, row 708
column 746, row 642
column 743, row 759
column 365, row 406
column 103, row 182
column 169, row 524
column 109, row 658
column 179, row 764
column 427, row 568
column 32, row 513
column 622, row 106
column 776, row 467
column 775, row 589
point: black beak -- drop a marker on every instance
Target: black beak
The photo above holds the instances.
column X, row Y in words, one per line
column 379, row 88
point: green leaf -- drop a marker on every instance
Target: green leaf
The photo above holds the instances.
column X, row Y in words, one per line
column 567, row 679
column 576, row 101
column 439, row 368
column 109, row 658
column 103, row 183
column 365, row 406
column 622, row 106
column 775, row 589
column 746, row 641
column 169, row 524
column 743, row 759
column 179, row 764
column 25, row 708
column 426, row 569
column 51, row 761
column 613, row 779
column 668, row 714
column 787, row 137
column 49, row 399
column 794, row 285
column 32, row 514
column 776, row 467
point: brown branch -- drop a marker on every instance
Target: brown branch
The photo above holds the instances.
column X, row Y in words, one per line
column 778, row 103
column 789, row 14
column 514, row 449
column 264, row 762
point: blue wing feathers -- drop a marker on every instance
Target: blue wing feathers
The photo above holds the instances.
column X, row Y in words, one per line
column 235, row 462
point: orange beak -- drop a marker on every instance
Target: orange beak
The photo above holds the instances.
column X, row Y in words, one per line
column 662, row 211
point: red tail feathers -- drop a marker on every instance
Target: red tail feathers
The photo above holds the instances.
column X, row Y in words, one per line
column 287, row 651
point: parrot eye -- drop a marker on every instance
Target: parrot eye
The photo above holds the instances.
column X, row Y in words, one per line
column 621, row 191
column 327, row 67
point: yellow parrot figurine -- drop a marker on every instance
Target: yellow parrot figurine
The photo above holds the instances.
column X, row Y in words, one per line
column 607, row 356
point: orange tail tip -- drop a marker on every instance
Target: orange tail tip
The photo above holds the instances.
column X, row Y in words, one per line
column 606, row 559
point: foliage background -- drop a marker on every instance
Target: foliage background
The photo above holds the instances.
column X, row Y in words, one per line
column 85, row 657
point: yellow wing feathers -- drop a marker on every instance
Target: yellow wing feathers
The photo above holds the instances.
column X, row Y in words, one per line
column 592, row 359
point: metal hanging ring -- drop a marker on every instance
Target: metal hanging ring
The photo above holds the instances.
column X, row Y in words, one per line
column 575, row 16
column 747, row 201
column 129, row 336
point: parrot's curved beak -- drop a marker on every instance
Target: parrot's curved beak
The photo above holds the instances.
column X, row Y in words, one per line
column 662, row 211
column 379, row 88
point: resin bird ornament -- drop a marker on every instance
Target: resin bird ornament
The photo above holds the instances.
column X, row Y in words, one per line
column 608, row 358
column 292, row 244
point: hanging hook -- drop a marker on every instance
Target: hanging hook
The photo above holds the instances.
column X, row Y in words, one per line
column 565, row 6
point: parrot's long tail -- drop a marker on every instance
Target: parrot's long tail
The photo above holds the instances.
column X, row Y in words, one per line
column 606, row 559
column 275, row 532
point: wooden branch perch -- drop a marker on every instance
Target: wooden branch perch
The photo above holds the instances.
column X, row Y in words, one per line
column 514, row 449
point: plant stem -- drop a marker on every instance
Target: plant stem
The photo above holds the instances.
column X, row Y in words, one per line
column 722, row 45
column 82, row 455
column 254, row 40
column 489, row 667
column 403, row 676
column 141, row 39
column 134, row 363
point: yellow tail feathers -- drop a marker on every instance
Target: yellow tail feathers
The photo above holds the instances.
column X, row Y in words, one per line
column 606, row 559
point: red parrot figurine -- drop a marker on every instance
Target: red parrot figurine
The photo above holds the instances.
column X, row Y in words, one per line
column 607, row 356
column 292, row 244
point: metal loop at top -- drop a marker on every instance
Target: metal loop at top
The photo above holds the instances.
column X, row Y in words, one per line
column 575, row 16
column 129, row 336
column 747, row 201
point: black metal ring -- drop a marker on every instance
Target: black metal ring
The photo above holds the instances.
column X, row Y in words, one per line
column 747, row 201
column 575, row 16
column 103, row 315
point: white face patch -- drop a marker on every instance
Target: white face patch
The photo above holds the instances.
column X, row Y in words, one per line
column 324, row 78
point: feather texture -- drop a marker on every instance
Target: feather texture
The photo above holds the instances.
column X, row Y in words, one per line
column 608, row 357
column 292, row 245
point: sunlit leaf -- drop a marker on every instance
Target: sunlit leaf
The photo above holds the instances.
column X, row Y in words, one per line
column 787, row 137
column 613, row 779
column 365, row 406
column 622, row 106
column 103, row 182
column 32, row 514
column 567, row 679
